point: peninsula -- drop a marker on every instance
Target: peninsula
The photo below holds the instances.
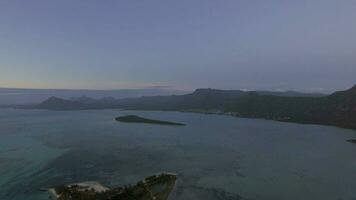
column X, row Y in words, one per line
column 156, row 187
column 138, row 119
column 352, row 141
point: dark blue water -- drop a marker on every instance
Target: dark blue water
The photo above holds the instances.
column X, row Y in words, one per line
column 216, row 157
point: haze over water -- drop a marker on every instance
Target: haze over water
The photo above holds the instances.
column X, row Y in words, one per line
column 215, row 157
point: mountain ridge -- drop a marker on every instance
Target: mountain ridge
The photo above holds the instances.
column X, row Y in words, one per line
column 338, row 108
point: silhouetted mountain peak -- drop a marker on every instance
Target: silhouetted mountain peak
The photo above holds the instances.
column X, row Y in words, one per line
column 56, row 103
column 53, row 98
column 204, row 90
column 210, row 91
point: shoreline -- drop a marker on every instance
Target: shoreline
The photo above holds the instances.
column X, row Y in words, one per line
column 282, row 119
column 86, row 185
column 53, row 193
column 164, row 182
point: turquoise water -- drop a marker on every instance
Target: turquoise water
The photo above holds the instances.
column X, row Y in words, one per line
column 216, row 157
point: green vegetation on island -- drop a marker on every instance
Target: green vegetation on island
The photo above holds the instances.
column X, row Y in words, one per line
column 156, row 187
column 137, row 119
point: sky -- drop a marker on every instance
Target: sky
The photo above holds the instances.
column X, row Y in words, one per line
column 304, row 45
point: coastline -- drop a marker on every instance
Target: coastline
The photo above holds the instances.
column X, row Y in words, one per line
column 87, row 185
column 158, row 186
column 281, row 119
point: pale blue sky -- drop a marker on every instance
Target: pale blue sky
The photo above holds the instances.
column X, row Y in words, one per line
column 306, row 45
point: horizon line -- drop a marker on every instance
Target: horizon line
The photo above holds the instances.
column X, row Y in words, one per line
column 181, row 90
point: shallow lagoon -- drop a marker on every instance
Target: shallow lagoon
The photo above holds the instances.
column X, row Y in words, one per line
column 216, row 157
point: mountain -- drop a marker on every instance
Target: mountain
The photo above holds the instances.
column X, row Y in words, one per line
column 337, row 109
column 30, row 96
column 84, row 99
column 54, row 103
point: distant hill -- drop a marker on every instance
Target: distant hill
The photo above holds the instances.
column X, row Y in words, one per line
column 337, row 109
column 30, row 96
column 54, row 103
column 291, row 94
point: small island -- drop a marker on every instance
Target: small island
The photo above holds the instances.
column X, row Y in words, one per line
column 352, row 141
column 137, row 119
column 156, row 187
